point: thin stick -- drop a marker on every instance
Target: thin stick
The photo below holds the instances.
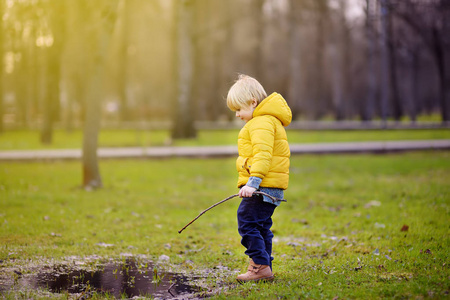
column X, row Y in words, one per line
column 274, row 199
column 171, row 288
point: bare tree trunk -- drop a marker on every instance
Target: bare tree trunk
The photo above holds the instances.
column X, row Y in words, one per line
column 337, row 84
column 123, row 63
column 99, row 36
column 91, row 171
column 385, row 61
column 2, row 51
column 413, row 82
column 395, row 97
column 52, row 99
column 442, row 55
column 445, row 46
column 183, row 122
column 74, row 65
column 346, row 53
column 92, row 98
column 19, row 81
column 295, row 65
column 341, row 64
column 258, row 23
column 318, row 107
column 206, row 34
column 368, row 109
column 228, row 57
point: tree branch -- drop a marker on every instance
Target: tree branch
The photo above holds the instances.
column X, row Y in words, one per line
column 274, row 199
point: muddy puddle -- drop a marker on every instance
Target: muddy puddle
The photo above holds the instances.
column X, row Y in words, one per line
column 127, row 278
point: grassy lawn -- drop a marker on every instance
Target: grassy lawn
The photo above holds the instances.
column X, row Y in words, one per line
column 27, row 139
column 339, row 235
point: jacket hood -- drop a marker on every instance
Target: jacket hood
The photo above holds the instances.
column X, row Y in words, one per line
column 274, row 105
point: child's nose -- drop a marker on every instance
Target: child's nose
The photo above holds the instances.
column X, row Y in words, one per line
column 237, row 114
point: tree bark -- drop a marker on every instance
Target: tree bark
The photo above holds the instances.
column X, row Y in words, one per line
column 368, row 108
column 51, row 102
column 123, row 64
column 442, row 56
column 385, row 61
column 2, row 52
column 99, row 34
column 413, row 83
column 183, row 118
column 445, row 46
column 341, row 64
column 295, row 66
column 318, row 106
column 91, row 171
column 397, row 110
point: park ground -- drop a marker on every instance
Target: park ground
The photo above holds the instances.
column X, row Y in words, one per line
column 354, row 227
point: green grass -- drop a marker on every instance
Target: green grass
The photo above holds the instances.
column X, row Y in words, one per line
column 28, row 139
column 339, row 235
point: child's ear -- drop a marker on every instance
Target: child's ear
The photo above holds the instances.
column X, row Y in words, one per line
column 254, row 103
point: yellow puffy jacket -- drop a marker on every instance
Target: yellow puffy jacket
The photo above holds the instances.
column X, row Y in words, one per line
column 263, row 146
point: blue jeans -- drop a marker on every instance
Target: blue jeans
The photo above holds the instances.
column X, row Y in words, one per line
column 254, row 222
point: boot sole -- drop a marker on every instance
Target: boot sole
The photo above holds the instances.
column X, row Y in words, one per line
column 265, row 279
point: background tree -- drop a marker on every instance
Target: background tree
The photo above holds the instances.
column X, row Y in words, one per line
column 367, row 109
column 324, row 56
column 2, row 67
column 296, row 74
column 51, row 103
column 183, row 118
column 122, row 62
column 318, row 76
column 430, row 20
column 98, row 30
column 341, row 63
column 385, row 60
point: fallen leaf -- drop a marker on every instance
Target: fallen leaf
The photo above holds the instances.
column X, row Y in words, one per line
column 428, row 251
column 404, row 228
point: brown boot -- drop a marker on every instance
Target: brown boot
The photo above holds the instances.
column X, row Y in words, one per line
column 256, row 273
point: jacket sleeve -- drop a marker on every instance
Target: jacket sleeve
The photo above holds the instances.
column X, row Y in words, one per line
column 262, row 135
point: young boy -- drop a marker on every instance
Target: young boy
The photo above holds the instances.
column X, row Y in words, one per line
column 263, row 164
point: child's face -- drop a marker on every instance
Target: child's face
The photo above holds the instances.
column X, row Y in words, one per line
column 246, row 113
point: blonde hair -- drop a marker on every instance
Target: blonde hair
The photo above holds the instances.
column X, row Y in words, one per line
column 244, row 91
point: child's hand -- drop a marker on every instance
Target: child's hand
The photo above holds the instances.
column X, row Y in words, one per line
column 246, row 191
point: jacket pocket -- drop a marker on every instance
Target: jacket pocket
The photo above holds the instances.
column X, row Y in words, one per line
column 248, row 164
column 241, row 163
